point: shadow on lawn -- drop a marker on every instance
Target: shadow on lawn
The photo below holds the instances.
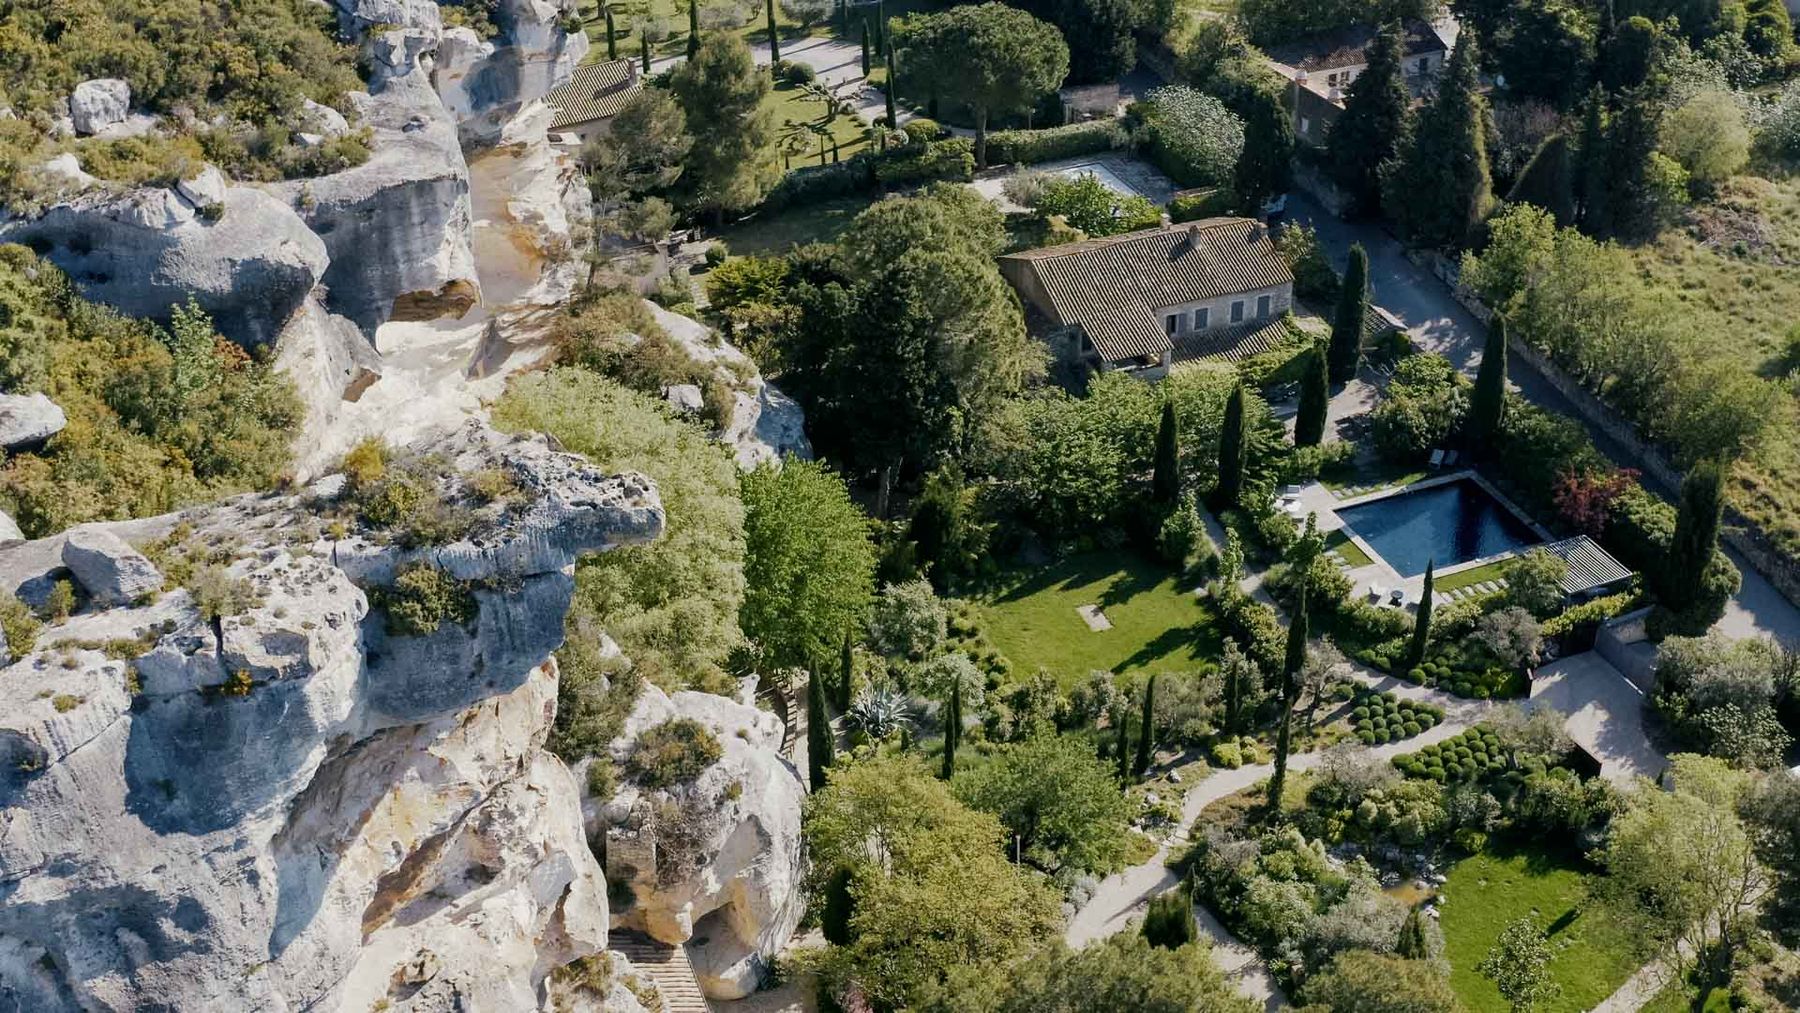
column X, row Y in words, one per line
column 1129, row 577
column 1165, row 644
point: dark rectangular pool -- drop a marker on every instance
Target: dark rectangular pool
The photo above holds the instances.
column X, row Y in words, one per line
column 1449, row 523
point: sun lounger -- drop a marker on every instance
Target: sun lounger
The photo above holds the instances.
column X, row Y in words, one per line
column 1449, row 458
column 1437, row 459
column 1377, row 591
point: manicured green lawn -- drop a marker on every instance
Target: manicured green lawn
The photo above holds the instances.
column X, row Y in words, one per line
column 774, row 233
column 1353, row 554
column 793, row 106
column 1473, row 575
column 1157, row 625
column 1484, row 893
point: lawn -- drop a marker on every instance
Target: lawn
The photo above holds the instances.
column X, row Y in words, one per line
column 1339, row 542
column 774, row 233
column 795, row 108
column 1483, row 894
column 1471, row 576
column 1157, row 625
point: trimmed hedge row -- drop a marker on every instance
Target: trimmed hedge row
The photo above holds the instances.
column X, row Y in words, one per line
column 1471, row 756
column 951, row 159
column 1024, row 147
column 1379, row 718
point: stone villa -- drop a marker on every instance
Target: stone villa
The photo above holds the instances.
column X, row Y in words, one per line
column 1323, row 66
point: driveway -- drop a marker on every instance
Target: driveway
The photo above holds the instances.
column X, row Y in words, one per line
column 1436, row 322
column 1605, row 715
column 836, row 61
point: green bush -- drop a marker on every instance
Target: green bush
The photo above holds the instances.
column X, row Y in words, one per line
column 672, row 753
column 1025, row 147
column 921, row 131
column 952, row 159
column 18, row 627
column 1227, row 755
column 422, row 599
column 1192, row 206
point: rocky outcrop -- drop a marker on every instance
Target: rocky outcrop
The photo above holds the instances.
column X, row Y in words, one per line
column 535, row 214
column 28, row 419
column 487, row 83
column 107, row 567
column 98, row 104
column 9, row 528
column 765, row 424
column 288, row 806
column 715, row 863
column 249, row 260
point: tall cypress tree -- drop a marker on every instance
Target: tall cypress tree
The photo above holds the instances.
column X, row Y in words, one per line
column 1631, row 141
column 1169, row 918
column 1548, row 181
column 1696, row 535
column 1347, row 322
column 893, row 118
column 1421, row 634
column 1165, row 480
column 1234, row 447
column 1315, row 401
column 846, row 672
column 1593, row 190
column 1487, row 406
column 612, row 34
column 1146, row 729
column 1439, row 190
column 819, row 747
column 866, row 66
column 1411, row 944
column 644, row 48
column 774, row 39
column 1373, row 126
column 952, row 730
column 881, row 33
column 1290, row 688
column 693, row 28
column 1122, row 747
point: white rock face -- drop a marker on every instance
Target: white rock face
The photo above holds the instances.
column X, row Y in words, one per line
column 323, row 119
column 766, row 425
column 28, row 418
column 263, row 814
column 718, row 859
column 205, row 188
column 108, row 568
column 487, row 83
column 535, row 206
column 99, row 104
column 9, row 528
column 65, row 170
column 147, row 252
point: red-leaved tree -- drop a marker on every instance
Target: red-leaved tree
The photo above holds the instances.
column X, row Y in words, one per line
column 1586, row 500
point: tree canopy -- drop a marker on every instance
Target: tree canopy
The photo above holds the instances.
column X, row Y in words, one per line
column 732, row 162
column 809, row 563
column 993, row 57
column 1059, row 802
column 1375, row 124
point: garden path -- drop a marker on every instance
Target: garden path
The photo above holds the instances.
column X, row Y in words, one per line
column 1121, row 897
column 836, row 61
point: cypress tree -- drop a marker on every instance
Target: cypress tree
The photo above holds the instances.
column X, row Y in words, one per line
column 952, row 730
column 693, row 28
column 881, row 33
column 1593, row 191
column 612, row 34
column 865, row 47
column 1165, row 480
column 644, row 48
column 834, row 921
column 1146, row 729
column 1347, row 322
column 1315, row 401
column 819, row 746
column 1122, row 748
column 1631, row 141
column 893, row 118
column 1487, row 406
column 1421, row 634
column 1169, row 919
column 1439, row 191
column 1234, row 447
column 1696, row 534
column 1548, row 181
column 1290, row 683
column 774, row 39
column 1373, row 126
column 846, row 672
column 1411, row 944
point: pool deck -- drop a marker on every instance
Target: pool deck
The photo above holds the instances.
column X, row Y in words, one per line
column 1317, row 499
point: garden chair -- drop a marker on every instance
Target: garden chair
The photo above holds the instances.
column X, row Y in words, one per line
column 1437, row 459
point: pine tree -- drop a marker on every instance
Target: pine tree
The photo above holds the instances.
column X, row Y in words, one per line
column 1487, row 406
column 693, row 28
column 1165, row 480
column 1234, row 448
column 865, row 47
column 834, row 921
column 1696, row 535
column 1169, row 918
column 1548, row 181
column 1421, row 634
column 819, row 747
column 1439, row 191
column 1373, row 126
column 774, row 39
column 1347, row 322
column 846, row 672
column 1290, row 686
column 1122, row 747
column 612, row 34
column 893, row 118
column 1412, row 944
column 1315, row 401
column 1146, row 729
column 952, row 730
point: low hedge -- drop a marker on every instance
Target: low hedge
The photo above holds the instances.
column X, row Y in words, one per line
column 1193, row 205
column 1024, row 147
column 952, row 159
column 1474, row 755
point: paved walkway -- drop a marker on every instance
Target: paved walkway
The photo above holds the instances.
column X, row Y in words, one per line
column 1605, row 715
column 836, row 61
column 1436, row 322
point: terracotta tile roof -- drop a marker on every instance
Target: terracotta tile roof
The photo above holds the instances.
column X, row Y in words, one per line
column 1113, row 287
column 1233, row 343
column 595, row 91
column 1348, row 47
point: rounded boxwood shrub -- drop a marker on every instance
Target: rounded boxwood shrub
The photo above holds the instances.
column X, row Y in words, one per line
column 1411, row 728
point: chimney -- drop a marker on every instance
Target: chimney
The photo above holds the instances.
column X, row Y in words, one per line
column 1194, row 234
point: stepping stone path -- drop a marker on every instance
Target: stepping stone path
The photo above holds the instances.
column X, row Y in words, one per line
column 1472, row 591
column 1096, row 620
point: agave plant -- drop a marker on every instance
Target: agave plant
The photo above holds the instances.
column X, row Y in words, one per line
column 880, row 713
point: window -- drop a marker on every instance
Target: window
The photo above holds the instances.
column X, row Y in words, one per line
column 1305, row 126
column 1200, row 318
column 1237, row 311
column 1262, row 306
column 1331, row 80
column 1424, row 65
column 1172, row 322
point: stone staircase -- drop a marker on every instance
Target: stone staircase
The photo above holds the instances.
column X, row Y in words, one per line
column 667, row 966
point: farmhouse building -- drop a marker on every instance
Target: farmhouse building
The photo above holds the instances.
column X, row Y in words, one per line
column 1145, row 300
column 594, row 94
column 1323, row 66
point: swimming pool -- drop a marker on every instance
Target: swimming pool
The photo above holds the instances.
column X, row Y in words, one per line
column 1449, row 524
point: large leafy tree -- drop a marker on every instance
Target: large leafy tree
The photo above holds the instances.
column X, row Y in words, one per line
column 995, row 58
column 1361, row 981
column 732, row 163
column 645, row 150
column 809, row 564
column 1123, row 972
column 1375, row 123
column 1056, row 799
column 1439, row 190
column 1101, row 32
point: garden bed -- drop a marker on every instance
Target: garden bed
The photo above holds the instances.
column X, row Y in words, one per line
column 1379, row 718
